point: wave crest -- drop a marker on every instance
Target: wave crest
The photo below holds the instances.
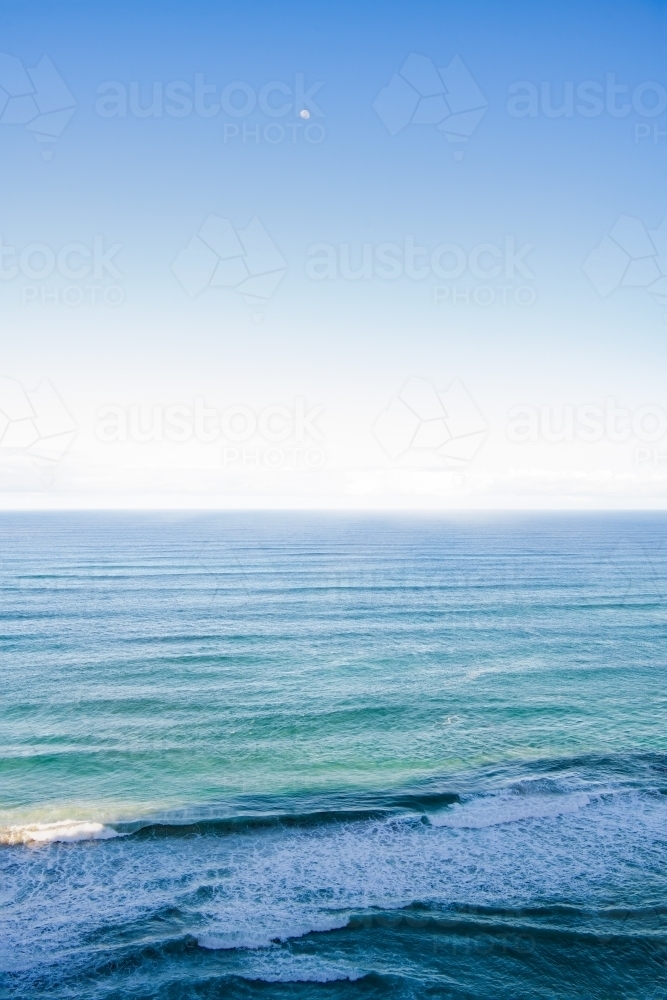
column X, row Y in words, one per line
column 64, row 831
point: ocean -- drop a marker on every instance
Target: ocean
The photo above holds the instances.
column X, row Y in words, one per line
column 297, row 755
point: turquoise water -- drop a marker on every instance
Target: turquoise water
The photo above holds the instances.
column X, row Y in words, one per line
column 299, row 755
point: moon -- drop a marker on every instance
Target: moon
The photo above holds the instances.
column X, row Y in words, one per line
column 304, row 113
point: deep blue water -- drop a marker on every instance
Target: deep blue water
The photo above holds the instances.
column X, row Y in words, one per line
column 300, row 755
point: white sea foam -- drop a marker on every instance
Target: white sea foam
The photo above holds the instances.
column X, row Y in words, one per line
column 511, row 807
column 241, row 892
column 283, row 967
column 285, row 928
column 64, row 831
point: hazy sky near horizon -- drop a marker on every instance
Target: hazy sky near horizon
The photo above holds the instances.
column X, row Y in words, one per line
column 333, row 255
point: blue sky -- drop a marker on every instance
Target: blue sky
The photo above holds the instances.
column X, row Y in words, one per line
column 541, row 189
